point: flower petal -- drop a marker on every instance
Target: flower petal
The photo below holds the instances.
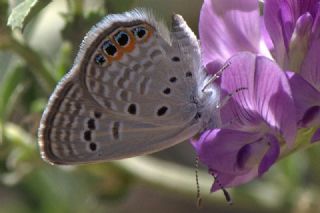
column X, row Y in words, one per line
column 267, row 45
column 219, row 149
column 310, row 69
column 239, row 112
column 271, row 156
column 304, row 103
column 268, row 157
column 282, row 17
column 279, row 23
column 299, row 42
column 250, row 155
column 227, row 27
column 316, row 137
column 266, row 103
column 273, row 98
column 304, row 26
column 300, row 7
column 227, row 180
column 316, row 23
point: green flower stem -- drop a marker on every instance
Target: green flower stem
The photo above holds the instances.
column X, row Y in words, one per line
column 168, row 175
column 78, row 7
column 33, row 59
column 302, row 142
column 18, row 135
column 181, row 179
column 75, row 6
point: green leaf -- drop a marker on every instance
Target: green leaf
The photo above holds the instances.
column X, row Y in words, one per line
column 3, row 12
column 24, row 12
column 64, row 61
column 3, row 28
column 11, row 81
column 37, row 64
column 79, row 24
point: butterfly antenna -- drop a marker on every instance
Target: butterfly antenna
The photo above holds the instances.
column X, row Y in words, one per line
column 217, row 75
column 227, row 98
column 225, row 192
column 199, row 199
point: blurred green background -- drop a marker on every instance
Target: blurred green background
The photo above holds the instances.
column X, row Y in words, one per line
column 32, row 62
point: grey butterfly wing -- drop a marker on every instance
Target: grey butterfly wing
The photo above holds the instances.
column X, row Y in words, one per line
column 125, row 96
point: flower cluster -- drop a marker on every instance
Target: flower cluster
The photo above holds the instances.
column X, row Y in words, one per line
column 273, row 56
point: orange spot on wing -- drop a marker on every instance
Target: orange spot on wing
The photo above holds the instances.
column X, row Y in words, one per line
column 122, row 50
column 150, row 32
column 132, row 42
column 116, row 57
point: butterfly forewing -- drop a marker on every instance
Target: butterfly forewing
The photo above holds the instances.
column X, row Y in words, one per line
column 129, row 93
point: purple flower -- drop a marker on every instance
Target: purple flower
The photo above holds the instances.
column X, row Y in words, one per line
column 236, row 157
column 289, row 33
column 294, row 28
column 259, row 118
column 282, row 93
column 228, row 27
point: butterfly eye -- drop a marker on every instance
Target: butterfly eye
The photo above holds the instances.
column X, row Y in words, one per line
column 109, row 48
column 140, row 32
column 122, row 38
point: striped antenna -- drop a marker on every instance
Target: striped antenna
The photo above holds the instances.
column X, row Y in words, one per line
column 225, row 192
column 199, row 199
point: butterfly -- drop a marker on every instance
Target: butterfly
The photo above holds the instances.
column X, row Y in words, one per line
column 135, row 88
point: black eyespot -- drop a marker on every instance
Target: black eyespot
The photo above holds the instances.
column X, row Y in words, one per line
column 115, row 130
column 175, row 59
column 198, row 115
column 122, row 38
column 173, row 79
column 87, row 135
column 99, row 59
column 162, row 110
column 93, row 146
column 97, row 114
column 188, row 74
column 167, row 91
column 109, row 48
column 139, row 32
column 91, row 124
column 132, row 109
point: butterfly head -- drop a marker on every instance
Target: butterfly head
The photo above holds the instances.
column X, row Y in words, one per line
column 207, row 104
